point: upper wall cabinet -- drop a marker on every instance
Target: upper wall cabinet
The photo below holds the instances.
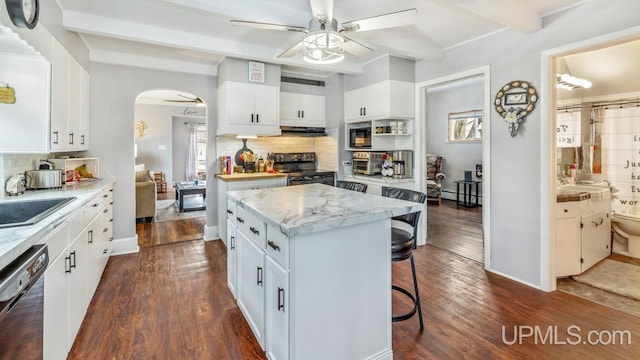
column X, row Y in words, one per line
column 301, row 110
column 25, row 78
column 389, row 99
column 248, row 109
column 70, row 102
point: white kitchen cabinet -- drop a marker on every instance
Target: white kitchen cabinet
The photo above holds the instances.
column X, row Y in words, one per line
column 248, row 109
column 56, row 297
column 239, row 184
column 24, row 124
column 250, row 290
column 94, row 253
column 381, row 141
column 277, row 311
column 232, row 246
column 70, row 102
column 389, row 99
column 59, row 97
column 302, row 110
column 78, row 278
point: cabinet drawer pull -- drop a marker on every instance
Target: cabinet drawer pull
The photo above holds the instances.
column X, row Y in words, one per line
column 105, row 195
column 90, row 235
column 240, row 220
column 229, row 212
column 253, row 230
column 251, row 117
column 233, row 246
column 273, row 245
column 257, row 118
column 82, row 139
column 259, row 275
column 105, row 210
column 105, row 230
column 67, row 259
column 111, row 238
column 298, row 113
column 597, row 223
column 280, row 303
column 71, row 139
column 56, row 140
column 104, row 251
column 95, row 205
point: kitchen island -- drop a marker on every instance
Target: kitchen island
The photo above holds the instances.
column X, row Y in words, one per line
column 310, row 267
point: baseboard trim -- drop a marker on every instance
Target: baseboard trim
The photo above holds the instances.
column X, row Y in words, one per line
column 515, row 279
column 211, row 233
column 125, row 246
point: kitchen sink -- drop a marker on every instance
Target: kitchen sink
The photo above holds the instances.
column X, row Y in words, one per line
column 29, row 212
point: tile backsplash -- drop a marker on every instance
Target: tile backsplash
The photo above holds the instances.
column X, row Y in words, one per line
column 14, row 164
column 325, row 147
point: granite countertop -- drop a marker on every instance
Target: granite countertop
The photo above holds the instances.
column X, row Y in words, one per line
column 14, row 241
column 301, row 209
column 249, row 176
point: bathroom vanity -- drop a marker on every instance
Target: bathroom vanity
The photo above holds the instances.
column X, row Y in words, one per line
column 583, row 228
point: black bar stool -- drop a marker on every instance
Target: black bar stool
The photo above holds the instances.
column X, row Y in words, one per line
column 352, row 185
column 403, row 242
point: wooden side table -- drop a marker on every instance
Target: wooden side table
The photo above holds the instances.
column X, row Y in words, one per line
column 161, row 184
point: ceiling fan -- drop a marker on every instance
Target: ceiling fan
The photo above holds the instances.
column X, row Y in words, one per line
column 196, row 100
column 323, row 43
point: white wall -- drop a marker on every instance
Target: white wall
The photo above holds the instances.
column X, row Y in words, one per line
column 459, row 96
column 113, row 94
column 516, row 163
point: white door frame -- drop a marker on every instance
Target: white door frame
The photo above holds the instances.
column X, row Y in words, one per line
column 421, row 144
column 548, row 146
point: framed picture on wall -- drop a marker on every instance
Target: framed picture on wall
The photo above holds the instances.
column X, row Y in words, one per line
column 256, row 72
column 515, row 98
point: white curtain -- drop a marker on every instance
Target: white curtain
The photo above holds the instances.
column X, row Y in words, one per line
column 192, row 153
column 621, row 154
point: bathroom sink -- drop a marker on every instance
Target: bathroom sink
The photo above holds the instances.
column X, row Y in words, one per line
column 29, row 212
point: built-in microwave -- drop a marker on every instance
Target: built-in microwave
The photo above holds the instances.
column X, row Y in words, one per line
column 360, row 138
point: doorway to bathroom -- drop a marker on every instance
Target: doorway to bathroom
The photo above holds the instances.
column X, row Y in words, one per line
column 595, row 112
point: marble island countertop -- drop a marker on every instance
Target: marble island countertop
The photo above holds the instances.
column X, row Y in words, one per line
column 310, row 208
column 15, row 240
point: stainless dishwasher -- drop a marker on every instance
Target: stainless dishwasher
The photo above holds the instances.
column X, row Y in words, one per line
column 22, row 304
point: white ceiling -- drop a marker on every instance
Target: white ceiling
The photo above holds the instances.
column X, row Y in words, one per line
column 194, row 35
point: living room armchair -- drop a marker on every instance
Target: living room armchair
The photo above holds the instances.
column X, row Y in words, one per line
column 434, row 178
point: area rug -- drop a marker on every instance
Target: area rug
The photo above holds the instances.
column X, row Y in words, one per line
column 613, row 276
column 166, row 210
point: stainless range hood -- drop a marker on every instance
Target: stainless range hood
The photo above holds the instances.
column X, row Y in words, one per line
column 302, row 131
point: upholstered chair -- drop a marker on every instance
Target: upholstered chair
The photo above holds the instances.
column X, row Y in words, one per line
column 434, row 178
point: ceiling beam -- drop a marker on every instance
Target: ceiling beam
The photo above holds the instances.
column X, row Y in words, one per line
column 505, row 12
column 119, row 29
column 120, row 58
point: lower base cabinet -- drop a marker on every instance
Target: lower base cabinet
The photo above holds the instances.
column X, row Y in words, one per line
column 250, row 290
column 232, row 246
column 78, row 251
column 277, row 314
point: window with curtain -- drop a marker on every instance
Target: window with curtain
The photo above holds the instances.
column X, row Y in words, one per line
column 196, row 151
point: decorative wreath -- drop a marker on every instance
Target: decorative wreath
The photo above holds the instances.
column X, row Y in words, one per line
column 513, row 105
column 532, row 97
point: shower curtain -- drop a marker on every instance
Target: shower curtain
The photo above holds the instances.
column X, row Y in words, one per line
column 192, row 153
column 621, row 153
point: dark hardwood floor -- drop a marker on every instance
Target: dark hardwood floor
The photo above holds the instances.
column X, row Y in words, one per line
column 172, row 302
column 168, row 232
column 458, row 230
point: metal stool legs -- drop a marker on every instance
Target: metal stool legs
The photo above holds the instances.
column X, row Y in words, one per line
column 414, row 298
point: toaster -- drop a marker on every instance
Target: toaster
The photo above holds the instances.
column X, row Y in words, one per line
column 44, row 179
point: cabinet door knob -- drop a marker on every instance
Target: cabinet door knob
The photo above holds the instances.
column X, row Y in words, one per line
column 566, row 210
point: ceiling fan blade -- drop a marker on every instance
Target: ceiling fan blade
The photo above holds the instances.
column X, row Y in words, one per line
column 186, row 97
column 291, row 51
column 322, row 7
column 266, row 26
column 399, row 18
column 355, row 48
column 182, row 101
